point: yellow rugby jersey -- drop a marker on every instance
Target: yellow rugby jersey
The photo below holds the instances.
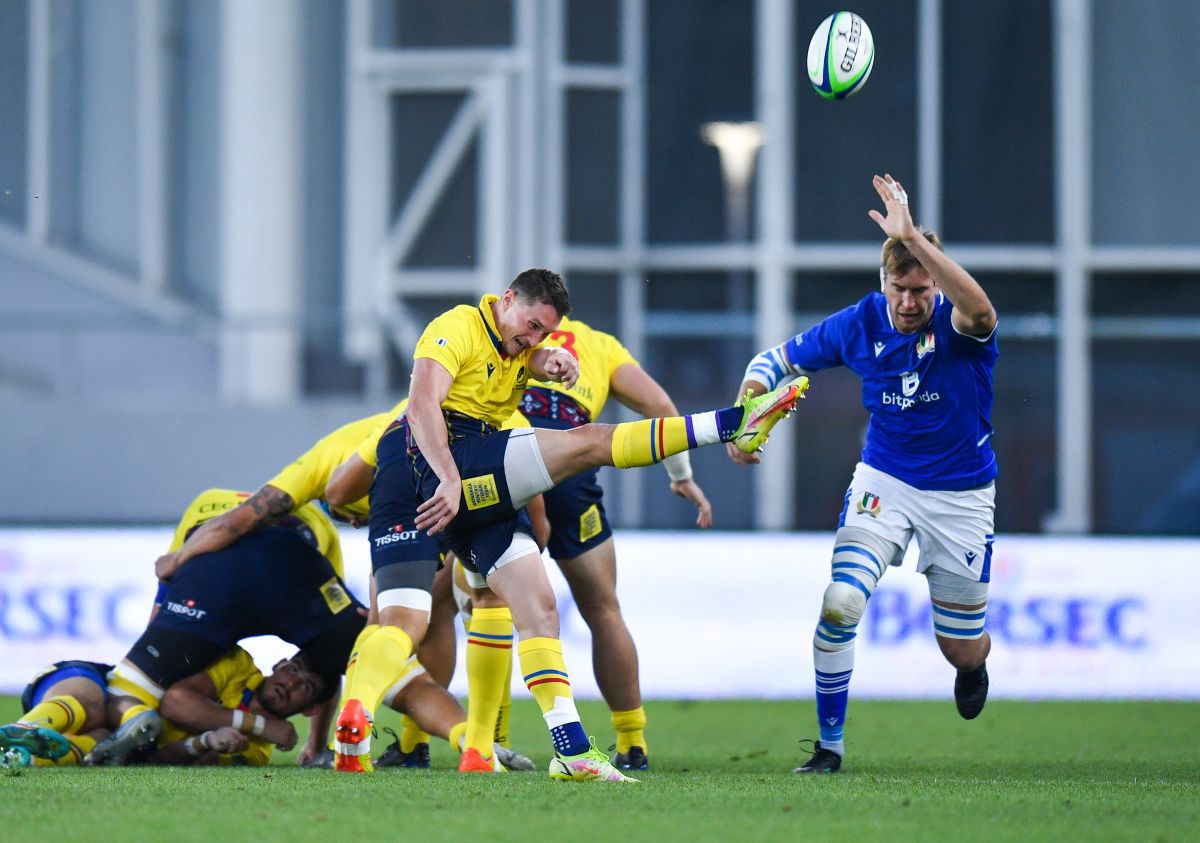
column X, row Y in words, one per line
column 235, row 677
column 599, row 355
column 487, row 385
column 213, row 502
column 306, row 477
column 367, row 448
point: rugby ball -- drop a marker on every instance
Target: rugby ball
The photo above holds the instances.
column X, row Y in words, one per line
column 840, row 56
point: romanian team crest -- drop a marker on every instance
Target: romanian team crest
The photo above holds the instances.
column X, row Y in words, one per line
column 925, row 345
column 868, row 504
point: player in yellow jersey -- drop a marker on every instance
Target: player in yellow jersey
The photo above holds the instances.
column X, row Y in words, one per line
column 447, row 469
column 581, row 540
column 217, row 518
column 489, row 658
column 210, row 716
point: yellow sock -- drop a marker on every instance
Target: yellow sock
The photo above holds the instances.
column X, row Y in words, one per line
column 352, row 664
column 411, row 734
column 649, row 441
column 457, row 731
column 501, row 735
column 81, row 745
column 134, row 711
column 629, row 726
column 63, row 714
column 489, row 662
column 545, row 675
column 379, row 662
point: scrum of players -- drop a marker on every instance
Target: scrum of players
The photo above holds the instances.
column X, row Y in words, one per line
column 460, row 493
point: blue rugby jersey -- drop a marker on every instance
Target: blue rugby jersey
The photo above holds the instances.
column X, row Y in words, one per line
column 929, row 393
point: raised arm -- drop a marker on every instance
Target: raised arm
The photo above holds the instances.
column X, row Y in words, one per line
column 633, row 387
column 263, row 507
column 973, row 312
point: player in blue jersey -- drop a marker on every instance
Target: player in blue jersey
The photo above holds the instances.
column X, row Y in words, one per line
column 925, row 347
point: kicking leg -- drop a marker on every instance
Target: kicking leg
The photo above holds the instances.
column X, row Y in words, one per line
column 563, row 453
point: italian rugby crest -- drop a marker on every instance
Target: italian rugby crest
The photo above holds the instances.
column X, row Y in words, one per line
column 925, row 345
column 868, row 504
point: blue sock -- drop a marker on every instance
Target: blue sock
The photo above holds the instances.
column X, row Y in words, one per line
column 570, row 739
column 728, row 421
column 833, row 672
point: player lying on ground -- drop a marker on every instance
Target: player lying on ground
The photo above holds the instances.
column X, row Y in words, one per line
column 446, row 468
column 210, row 717
column 925, row 348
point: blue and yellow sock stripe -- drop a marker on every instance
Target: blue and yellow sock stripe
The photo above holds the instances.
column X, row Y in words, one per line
column 484, row 639
column 548, row 675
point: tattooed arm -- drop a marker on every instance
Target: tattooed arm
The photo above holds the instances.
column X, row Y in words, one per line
column 265, row 506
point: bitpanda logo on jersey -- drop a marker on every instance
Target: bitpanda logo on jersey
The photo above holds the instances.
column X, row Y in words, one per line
column 187, row 608
column 909, row 383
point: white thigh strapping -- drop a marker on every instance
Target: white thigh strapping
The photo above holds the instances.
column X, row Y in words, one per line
column 524, row 467
column 954, row 530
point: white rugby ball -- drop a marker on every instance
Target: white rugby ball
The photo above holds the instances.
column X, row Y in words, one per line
column 840, row 56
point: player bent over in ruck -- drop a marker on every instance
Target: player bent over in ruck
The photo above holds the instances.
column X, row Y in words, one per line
column 446, row 468
column 925, row 347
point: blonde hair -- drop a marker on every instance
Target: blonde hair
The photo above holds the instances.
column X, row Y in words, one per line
column 897, row 260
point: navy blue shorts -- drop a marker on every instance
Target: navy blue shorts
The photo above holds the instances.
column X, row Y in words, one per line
column 391, row 531
column 270, row 582
column 35, row 691
column 486, row 521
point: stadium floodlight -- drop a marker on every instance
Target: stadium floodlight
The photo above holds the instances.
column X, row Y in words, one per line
column 738, row 145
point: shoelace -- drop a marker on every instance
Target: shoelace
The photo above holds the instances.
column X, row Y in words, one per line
column 395, row 738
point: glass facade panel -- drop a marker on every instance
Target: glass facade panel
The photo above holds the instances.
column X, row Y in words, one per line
column 594, row 299
column 450, row 235
column 1147, row 437
column 14, row 110
column 997, row 123
column 839, row 145
column 107, row 118
column 1146, row 294
column 593, row 166
column 699, row 68
column 593, row 32
column 1147, row 108
column 442, row 23
column 194, row 152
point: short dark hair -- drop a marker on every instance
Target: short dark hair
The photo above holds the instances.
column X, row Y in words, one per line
column 544, row 287
column 332, row 679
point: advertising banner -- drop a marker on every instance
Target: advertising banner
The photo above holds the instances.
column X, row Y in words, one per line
column 713, row 614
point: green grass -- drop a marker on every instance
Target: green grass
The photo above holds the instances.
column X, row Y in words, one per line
column 1024, row 771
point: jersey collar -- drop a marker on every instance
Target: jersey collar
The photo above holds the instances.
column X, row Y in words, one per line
column 489, row 322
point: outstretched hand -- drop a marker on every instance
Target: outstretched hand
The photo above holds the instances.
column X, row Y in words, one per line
column 898, row 223
column 691, row 491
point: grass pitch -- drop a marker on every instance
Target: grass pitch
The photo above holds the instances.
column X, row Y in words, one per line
column 1024, row 771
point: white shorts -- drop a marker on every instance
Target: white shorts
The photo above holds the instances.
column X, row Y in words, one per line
column 954, row 530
